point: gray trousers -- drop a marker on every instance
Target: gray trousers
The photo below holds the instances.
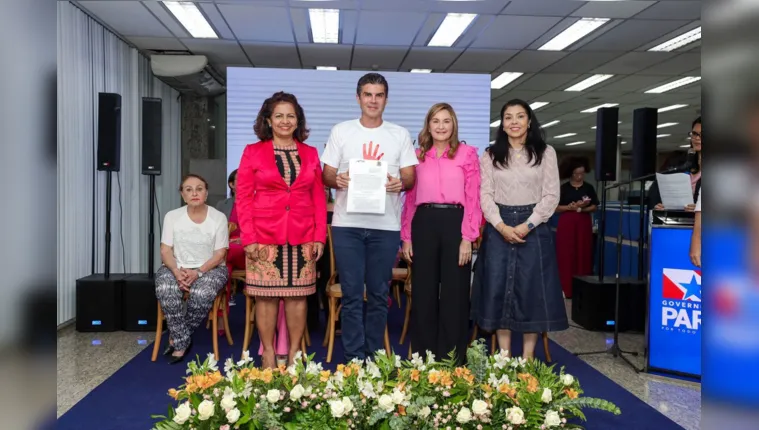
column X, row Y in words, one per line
column 202, row 294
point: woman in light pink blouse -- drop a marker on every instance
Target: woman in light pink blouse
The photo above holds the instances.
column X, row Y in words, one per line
column 517, row 284
column 441, row 218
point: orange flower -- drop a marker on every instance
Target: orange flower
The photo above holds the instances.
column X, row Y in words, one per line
column 267, row 376
column 532, row 382
column 445, row 378
column 174, row 394
column 347, row 371
column 415, row 375
column 282, row 369
column 341, row 368
column 487, row 388
column 433, row 377
column 572, row 394
column 244, row 373
column 401, row 410
column 324, row 375
column 508, row 390
column 401, row 385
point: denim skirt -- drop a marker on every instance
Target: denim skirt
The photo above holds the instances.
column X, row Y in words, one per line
column 516, row 286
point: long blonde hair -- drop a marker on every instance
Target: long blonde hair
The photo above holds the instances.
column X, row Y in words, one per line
column 425, row 137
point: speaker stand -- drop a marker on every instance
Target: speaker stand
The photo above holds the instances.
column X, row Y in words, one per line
column 600, row 246
column 107, row 268
column 615, row 350
column 151, row 228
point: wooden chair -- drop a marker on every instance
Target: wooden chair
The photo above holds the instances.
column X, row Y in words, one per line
column 218, row 303
column 407, row 317
column 494, row 342
column 335, row 293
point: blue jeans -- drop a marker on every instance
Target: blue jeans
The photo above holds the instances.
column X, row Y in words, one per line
column 364, row 257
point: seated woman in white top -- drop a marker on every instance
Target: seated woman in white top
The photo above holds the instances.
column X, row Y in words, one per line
column 193, row 250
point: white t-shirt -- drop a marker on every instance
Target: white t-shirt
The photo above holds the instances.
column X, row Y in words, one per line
column 350, row 140
column 193, row 243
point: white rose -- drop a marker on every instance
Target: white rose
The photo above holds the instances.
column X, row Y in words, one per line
column 547, row 396
column 386, row 403
column 182, row 413
column 228, row 403
column 515, row 415
column 567, row 379
column 272, row 396
column 552, row 419
column 205, row 410
column 464, row 416
column 337, row 408
column 479, row 407
column 347, row 404
column 233, row 415
column 425, row 412
column 297, row 392
column 398, row 397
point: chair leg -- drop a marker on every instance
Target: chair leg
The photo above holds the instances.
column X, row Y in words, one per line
column 331, row 325
column 226, row 323
column 388, row 350
column 493, row 342
column 248, row 310
column 214, row 324
column 409, row 350
column 545, row 348
column 406, row 319
column 397, row 293
column 158, row 332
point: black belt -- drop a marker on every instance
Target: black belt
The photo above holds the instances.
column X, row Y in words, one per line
column 441, row 206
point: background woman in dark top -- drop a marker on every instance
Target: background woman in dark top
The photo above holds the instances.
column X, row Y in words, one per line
column 574, row 234
column 654, row 198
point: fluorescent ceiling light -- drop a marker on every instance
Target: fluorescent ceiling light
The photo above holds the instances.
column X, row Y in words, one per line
column 575, row 143
column 421, row 70
column 575, row 32
column 674, row 84
column 659, row 136
column 492, row 142
column 587, row 83
column 552, row 123
column 325, row 25
column 504, row 79
column 684, row 146
column 495, row 123
column 452, row 27
column 666, row 124
column 191, row 19
column 594, row 127
column 326, row 68
column 605, row 105
column 623, row 143
column 538, row 105
column 561, row 136
column 669, row 108
column 679, row 41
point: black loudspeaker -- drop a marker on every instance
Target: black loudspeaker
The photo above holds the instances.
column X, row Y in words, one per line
column 98, row 303
column 151, row 136
column 139, row 304
column 606, row 143
column 593, row 303
column 109, row 131
column 645, row 121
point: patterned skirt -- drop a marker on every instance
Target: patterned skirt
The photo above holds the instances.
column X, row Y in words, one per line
column 282, row 271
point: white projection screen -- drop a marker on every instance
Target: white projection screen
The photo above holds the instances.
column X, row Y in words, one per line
column 329, row 97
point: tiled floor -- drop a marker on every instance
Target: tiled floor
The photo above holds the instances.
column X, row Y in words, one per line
column 87, row 359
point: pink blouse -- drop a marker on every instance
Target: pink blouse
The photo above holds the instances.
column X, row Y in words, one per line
column 520, row 184
column 447, row 181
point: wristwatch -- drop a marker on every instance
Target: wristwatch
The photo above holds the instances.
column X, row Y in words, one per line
column 530, row 226
column 200, row 274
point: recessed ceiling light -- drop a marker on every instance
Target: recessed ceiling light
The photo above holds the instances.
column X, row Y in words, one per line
column 326, row 68
column 684, row 146
column 325, row 25
column 561, row 136
column 550, row 124
column 573, row 33
column 587, row 83
column 623, row 143
column 504, row 79
column 421, row 70
column 495, row 123
column 679, row 41
column 538, row 105
column 605, row 105
column 575, row 143
column 452, row 27
column 191, row 19
column 669, row 108
column 666, row 124
column 674, row 84
column 659, row 136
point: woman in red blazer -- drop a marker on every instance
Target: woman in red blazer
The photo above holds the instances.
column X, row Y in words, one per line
column 283, row 219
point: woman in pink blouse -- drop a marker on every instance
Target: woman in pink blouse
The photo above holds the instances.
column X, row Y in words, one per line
column 517, row 284
column 440, row 221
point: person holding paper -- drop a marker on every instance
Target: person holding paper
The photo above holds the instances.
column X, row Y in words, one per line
column 517, row 283
column 440, row 221
column 283, row 221
column 654, row 196
column 574, row 233
column 366, row 244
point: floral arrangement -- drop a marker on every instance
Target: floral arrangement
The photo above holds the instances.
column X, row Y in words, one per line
column 491, row 392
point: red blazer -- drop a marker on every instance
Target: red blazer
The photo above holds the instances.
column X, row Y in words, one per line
column 270, row 212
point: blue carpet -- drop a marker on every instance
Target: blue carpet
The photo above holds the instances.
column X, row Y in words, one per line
column 138, row 390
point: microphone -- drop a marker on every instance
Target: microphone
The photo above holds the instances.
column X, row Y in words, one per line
column 691, row 161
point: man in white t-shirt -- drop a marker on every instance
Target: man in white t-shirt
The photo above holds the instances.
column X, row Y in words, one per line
column 366, row 245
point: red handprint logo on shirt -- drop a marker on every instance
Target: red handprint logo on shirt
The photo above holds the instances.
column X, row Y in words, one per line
column 370, row 153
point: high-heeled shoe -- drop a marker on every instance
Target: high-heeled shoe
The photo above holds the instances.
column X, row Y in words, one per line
column 174, row 359
column 169, row 350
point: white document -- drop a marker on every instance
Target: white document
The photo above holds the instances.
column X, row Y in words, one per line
column 675, row 190
column 366, row 189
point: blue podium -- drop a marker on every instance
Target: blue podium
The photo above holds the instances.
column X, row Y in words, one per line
column 673, row 328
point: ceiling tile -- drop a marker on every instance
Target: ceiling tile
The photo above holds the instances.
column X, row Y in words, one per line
column 430, row 58
column 633, row 62
column 428, row 29
column 547, row 81
column 217, row 21
column 373, row 27
column 395, row 5
column 157, row 43
column 256, row 23
column 514, row 32
column 280, row 55
column 127, row 18
column 217, row 51
column 531, row 61
column 541, row 7
column 680, row 64
column 612, row 9
column 505, row 96
column 334, row 4
column 322, row 54
column 634, row 83
column 384, row 57
column 475, row 29
column 166, row 18
column 481, row 60
column 559, row 96
column 581, row 62
column 480, row 7
column 672, row 10
column 632, row 34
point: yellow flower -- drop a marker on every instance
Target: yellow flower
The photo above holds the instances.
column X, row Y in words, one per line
column 174, row 394
column 415, row 375
column 572, row 394
column 324, row 375
column 267, row 376
column 433, row 377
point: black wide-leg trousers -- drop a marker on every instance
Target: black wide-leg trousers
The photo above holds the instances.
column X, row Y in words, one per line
column 440, row 287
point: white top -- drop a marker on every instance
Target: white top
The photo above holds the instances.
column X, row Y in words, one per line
column 194, row 243
column 351, row 140
column 698, row 202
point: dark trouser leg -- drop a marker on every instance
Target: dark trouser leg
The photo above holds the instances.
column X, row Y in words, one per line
column 170, row 296
column 381, row 253
column 350, row 257
column 425, row 282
